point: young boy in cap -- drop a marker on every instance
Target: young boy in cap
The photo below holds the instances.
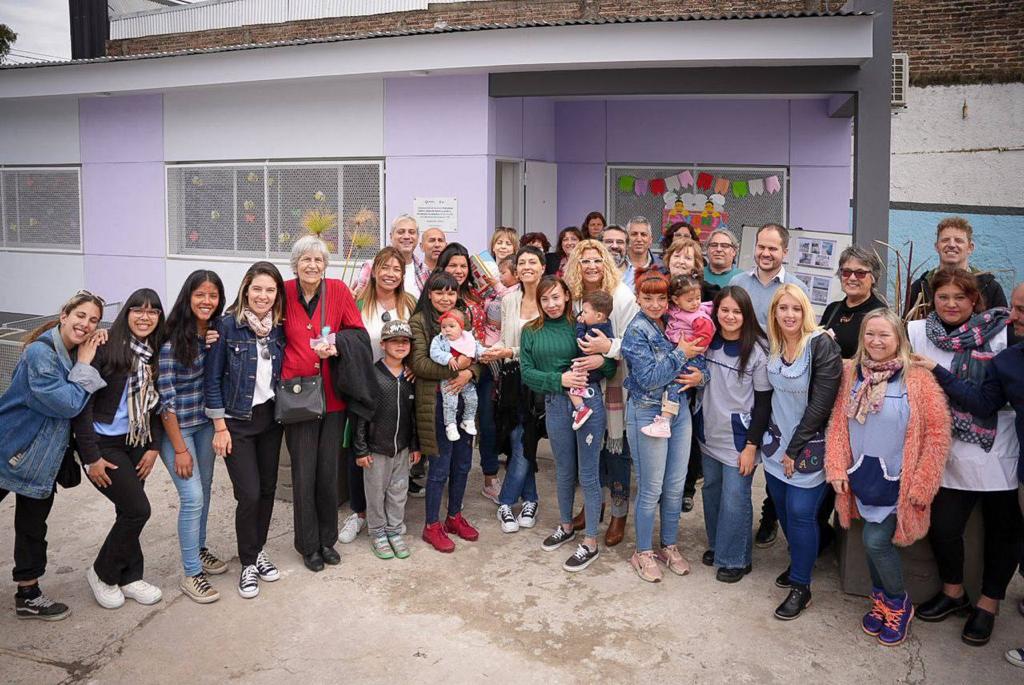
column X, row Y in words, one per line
column 387, row 446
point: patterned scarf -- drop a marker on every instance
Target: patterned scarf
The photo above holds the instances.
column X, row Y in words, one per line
column 971, row 353
column 142, row 394
column 260, row 326
column 871, row 393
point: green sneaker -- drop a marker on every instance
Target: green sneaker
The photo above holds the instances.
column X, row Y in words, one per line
column 398, row 544
column 381, row 547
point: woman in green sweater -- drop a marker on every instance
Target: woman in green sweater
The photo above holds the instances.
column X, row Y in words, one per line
column 547, row 355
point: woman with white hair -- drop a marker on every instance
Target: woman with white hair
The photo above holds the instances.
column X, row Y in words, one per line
column 315, row 445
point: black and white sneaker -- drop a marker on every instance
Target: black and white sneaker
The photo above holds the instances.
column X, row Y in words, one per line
column 249, row 582
column 416, row 490
column 528, row 515
column 40, row 607
column 557, row 539
column 509, row 524
column 581, row 558
column 266, row 568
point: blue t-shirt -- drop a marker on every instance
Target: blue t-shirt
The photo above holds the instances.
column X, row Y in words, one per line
column 582, row 330
column 119, row 426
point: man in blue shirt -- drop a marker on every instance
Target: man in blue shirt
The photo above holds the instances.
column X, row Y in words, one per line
column 720, row 266
column 768, row 273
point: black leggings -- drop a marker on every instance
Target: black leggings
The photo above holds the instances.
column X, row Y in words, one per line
column 1001, row 515
column 29, row 536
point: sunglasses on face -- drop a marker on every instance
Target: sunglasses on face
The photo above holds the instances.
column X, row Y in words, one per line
column 859, row 274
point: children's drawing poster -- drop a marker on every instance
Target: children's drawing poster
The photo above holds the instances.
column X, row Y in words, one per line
column 707, row 197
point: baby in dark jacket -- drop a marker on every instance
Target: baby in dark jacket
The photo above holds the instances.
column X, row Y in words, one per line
column 595, row 313
column 387, row 446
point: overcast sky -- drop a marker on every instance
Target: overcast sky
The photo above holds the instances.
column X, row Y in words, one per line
column 42, row 28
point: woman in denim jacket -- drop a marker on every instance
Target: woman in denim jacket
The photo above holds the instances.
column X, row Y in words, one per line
column 242, row 371
column 51, row 384
column 661, row 463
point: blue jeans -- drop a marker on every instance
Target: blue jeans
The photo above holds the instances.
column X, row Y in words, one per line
column 883, row 560
column 577, row 454
column 450, row 467
column 193, row 493
column 728, row 513
column 520, row 479
column 660, row 471
column 798, row 515
column 615, row 474
column 488, row 439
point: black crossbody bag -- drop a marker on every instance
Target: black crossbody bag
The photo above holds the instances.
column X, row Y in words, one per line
column 302, row 398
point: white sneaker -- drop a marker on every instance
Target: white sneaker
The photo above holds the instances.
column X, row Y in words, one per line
column 507, row 519
column 142, row 592
column 350, row 528
column 468, row 427
column 528, row 515
column 451, row 431
column 107, row 596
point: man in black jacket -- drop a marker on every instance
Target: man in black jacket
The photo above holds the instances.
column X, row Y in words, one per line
column 954, row 243
column 386, row 446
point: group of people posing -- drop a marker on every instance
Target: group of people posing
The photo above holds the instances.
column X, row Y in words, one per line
column 672, row 366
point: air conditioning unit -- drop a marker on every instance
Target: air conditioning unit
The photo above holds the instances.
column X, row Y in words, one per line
column 900, row 79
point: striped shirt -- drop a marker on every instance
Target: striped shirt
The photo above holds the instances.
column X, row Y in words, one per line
column 181, row 389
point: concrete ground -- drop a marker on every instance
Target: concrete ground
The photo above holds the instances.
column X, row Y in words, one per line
column 498, row 610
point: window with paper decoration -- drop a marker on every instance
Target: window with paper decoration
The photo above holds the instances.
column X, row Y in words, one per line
column 258, row 210
column 40, row 209
column 707, row 197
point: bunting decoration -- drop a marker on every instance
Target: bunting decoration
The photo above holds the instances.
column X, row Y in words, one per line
column 705, row 182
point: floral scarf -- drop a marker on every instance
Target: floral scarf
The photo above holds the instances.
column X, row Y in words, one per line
column 871, row 394
column 142, row 394
column 972, row 350
column 260, row 326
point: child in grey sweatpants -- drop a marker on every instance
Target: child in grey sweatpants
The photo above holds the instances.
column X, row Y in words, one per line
column 386, row 447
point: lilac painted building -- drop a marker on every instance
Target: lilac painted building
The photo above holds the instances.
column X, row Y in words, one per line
column 214, row 160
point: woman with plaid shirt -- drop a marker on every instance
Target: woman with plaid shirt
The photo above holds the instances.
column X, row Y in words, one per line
column 187, row 446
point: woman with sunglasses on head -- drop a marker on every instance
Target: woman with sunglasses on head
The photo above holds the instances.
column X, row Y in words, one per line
column 859, row 271
column 242, row 372
column 187, row 447
column 51, row 384
column 384, row 299
column 118, row 435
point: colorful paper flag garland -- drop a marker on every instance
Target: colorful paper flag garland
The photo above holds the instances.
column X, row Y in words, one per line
column 704, row 181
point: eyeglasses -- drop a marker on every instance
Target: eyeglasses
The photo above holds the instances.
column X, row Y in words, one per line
column 147, row 312
column 591, row 262
column 859, row 274
column 721, row 246
column 385, row 317
column 96, row 297
column 261, row 343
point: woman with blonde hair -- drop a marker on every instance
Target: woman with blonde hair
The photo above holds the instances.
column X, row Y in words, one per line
column 893, row 418
column 591, row 267
column 804, row 369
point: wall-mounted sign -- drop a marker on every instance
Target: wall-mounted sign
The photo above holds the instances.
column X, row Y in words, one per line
column 436, row 212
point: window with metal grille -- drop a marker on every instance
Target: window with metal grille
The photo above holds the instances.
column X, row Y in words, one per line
column 727, row 196
column 40, row 208
column 258, row 209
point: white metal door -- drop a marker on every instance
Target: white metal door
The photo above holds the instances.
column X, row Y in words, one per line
column 508, row 193
column 542, row 199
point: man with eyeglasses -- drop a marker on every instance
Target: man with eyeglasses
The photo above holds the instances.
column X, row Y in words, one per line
column 720, row 266
column 614, row 238
column 638, row 249
column 768, row 273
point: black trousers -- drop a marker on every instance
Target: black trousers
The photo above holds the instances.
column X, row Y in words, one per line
column 29, row 535
column 120, row 561
column 315, row 449
column 1000, row 512
column 356, row 492
column 252, row 467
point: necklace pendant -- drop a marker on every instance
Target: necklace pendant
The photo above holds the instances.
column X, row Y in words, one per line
column 309, row 326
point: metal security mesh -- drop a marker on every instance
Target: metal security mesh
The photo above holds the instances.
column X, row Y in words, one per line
column 695, row 205
column 259, row 210
column 40, row 208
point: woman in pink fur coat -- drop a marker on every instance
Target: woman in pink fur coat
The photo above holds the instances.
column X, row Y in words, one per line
column 885, row 451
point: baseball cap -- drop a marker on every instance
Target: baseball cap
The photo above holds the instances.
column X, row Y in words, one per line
column 396, row 328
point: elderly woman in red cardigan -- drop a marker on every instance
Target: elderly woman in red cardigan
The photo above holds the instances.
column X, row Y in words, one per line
column 315, row 445
column 885, row 452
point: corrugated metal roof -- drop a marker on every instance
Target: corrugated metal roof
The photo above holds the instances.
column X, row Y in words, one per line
column 444, row 28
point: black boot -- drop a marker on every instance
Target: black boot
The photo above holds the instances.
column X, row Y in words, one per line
column 794, row 605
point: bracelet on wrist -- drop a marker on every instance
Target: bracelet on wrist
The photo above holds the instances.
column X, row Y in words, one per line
column 222, row 430
column 184, row 451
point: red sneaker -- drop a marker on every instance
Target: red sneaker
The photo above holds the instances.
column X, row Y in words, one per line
column 458, row 525
column 434, row 534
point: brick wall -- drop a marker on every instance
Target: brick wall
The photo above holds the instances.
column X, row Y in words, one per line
column 949, row 41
